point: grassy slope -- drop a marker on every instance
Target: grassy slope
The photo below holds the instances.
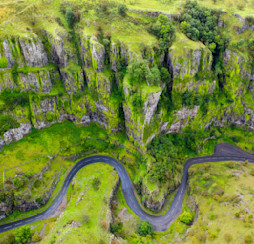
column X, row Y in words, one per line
column 82, row 200
column 217, row 213
column 82, row 141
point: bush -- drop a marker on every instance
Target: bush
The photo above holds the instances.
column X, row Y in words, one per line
column 96, row 182
column 86, row 218
column 145, row 228
column 122, row 9
column 247, row 239
column 18, row 183
column 8, row 239
column 228, row 237
column 186, row 217
column 70, row 17
column 36, row 237
column 6, row 123
column 116, row 227
column 22, row 235
column 164, row 30
column 3, row 62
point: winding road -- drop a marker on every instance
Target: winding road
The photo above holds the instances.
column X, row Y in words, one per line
column 222, row 152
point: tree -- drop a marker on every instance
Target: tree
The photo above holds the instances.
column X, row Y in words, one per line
column 145, row 228
column 8, row 239
column 70, row 17
column 36, row 237
column 186, row 217
column 96, row 182
column 122, row 9
column 23, row 235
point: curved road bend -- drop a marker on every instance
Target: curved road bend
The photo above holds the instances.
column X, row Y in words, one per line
column 222, row 152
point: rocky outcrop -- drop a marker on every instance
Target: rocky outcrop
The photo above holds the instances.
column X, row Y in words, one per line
column 183, row 117
column 187, row 62
column 98, row 54
column 33, row 52
column 17, row 133
column 235, row 65
column 73, row 81
column 6, row 81
column 155, row 14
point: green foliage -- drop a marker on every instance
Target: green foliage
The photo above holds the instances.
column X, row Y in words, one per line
column 36, row 238
column 8, row 239
column 22, row 235
column 200, row 23
column 18, row 183
column 165, row 154
column 122, row 9
column 186, row 217
column 116, row 227
column 164, row 30
column 95, row 184
column 228, row 237
column 145, row 228
column 13, row 98
column 248, row 239
column 165, row 76
column 3, row 62
column 140, row 73
column 70, row 17
column 7, row 122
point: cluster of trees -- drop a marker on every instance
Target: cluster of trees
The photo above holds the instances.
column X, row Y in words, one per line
column 186, row 217
column 145, row 228
column 163, row 150
column 7, row 122
column 13, row 98
column 164, row 30
column 140, row 72
column 200, row 23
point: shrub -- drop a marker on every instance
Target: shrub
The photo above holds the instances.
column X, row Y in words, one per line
column 122, row 9
column 237, row 215
column 86, row 218
column 104, row 225
column 145, row 228
column 70, row 17
column 96, row 182
column 3, row 62
column 18, row 183
column 23, row 235
column 247, row 239
column 116, row 227
column 36, row 237
column 228, row 237
column 6, row 123
column 8, row 239
column 186, row 217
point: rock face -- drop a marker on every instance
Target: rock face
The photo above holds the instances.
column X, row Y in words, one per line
column 33, row 52
column 187, row 62
column 236, row 64
column 183, row 117
column 17, row 134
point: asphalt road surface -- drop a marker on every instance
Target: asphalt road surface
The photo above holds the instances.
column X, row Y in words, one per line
column 222, row 152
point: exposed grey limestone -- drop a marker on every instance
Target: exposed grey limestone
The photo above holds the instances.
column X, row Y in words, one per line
column 17, row 133
column 2, row 143
column 155, row 14
column 183, row 116
column 85, row 50
column 73, row 81
column 33, row 52
column 6, row 81
column 187, row 64
column 150, row 106
column 8, row 54
column 233, row 62
column 38, row 82
column 98, row 54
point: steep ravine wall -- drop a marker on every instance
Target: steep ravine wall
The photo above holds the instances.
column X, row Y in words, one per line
column 61, row 88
